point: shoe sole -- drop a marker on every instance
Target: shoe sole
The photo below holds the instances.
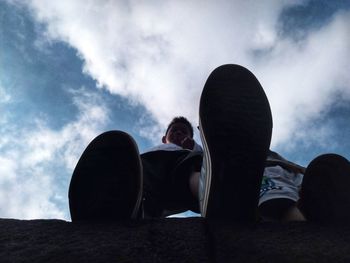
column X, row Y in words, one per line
column 107, row 181
column 324, row 195
column 235, row 128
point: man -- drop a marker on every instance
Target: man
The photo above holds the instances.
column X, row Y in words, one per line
column 112, row 181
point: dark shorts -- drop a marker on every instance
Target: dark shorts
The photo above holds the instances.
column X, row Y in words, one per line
column 166, row 181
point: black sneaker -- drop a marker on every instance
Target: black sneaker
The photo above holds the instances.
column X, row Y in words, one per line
column 235, row 128
column 107, row 181
column 325, row 195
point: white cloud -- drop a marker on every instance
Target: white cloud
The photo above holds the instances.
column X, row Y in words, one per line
column 35, row 161
column 304, row 79
column 159, row 53
column 160, row 56
column 4, row 96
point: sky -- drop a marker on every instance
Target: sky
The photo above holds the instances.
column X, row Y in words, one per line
column 70, row 70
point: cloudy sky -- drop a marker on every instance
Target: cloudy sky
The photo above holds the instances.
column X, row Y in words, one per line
column 72, row 69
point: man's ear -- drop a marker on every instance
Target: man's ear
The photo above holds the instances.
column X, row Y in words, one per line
column 163, row 139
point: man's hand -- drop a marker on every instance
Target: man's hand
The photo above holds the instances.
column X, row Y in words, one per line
column 187, row 143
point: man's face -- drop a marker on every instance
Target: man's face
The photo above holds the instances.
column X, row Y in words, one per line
column 177, row 133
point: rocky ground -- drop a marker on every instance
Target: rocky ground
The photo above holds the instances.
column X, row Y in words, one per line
column 171, row 240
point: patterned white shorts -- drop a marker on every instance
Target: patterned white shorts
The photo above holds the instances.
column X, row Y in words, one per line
column 280, row 183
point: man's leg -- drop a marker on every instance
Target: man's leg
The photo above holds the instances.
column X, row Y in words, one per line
column 107, row 181
column 280, row 209
column 325, row 190
column 166, row 182
column 235, row 127
column 193, row 183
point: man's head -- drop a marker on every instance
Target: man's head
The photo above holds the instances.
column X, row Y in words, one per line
column 178, row 130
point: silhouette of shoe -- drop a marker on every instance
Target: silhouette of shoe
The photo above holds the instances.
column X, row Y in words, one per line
column 235, row 128
column 325, row 195
column 107, row 181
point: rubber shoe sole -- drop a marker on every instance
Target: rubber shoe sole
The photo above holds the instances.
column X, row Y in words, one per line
column 235, row 128
column 325, row 195
column 107, row 181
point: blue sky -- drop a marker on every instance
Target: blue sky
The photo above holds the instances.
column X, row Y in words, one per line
column 70, row 70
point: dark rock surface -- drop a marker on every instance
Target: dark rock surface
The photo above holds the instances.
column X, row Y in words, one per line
column 171, row 240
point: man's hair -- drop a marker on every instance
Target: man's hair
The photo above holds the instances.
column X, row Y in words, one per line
column 180, row 119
